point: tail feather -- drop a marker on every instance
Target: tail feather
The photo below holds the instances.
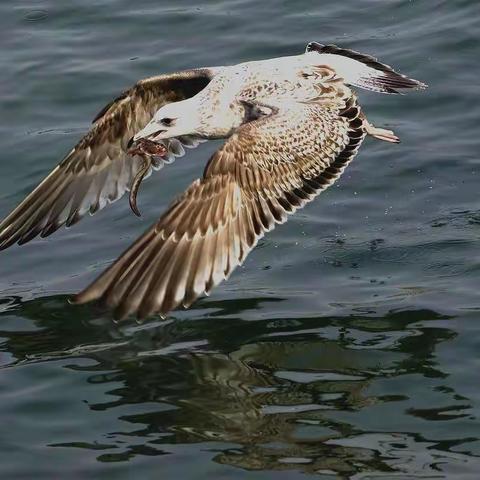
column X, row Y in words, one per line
column 363, row 70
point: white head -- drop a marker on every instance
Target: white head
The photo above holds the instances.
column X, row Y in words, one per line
column 172, row 120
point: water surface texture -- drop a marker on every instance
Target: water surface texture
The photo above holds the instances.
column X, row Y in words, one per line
column 347, row 346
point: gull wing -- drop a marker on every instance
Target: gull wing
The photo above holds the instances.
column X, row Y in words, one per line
column 98, row 171
column 363, row 70
column 266, row 170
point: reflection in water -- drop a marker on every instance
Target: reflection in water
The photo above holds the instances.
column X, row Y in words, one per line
column 272, row 394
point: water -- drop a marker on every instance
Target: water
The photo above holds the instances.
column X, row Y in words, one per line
column 346, row 347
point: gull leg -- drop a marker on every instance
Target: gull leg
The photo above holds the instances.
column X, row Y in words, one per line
column 381, row 133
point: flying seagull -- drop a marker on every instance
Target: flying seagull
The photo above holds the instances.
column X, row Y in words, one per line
column 292, row 125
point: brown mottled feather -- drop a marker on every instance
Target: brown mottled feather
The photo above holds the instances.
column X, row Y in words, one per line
column 269, row 168
column 98, row 170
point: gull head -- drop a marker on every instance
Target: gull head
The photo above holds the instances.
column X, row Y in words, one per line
column 171, row 120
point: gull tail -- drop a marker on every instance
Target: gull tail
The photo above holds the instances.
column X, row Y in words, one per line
column 362, row 70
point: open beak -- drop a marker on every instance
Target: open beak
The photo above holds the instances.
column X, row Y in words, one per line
column 150, row 131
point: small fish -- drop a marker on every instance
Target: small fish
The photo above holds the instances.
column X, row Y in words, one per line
column 143, row 146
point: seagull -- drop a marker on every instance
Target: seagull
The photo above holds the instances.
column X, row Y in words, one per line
column 292, row 124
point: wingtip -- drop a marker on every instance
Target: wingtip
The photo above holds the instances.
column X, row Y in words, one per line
column 380, row 77
column 8, row 242
column 421, row 85
column 85, row 296
column 72, row 300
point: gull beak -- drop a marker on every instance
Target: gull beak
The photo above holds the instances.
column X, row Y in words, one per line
column 149, row 131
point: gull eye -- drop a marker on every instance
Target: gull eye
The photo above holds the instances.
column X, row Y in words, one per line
column 167, row 121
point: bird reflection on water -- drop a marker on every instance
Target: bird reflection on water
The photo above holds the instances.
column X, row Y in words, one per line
column 271, row 394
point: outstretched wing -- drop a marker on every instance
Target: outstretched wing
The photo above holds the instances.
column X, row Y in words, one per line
column 98, row 170
column 266, row 170
column 363, row 70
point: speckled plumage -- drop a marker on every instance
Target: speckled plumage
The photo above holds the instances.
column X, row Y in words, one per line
column 267, row 169
column 98, row 171
column 292, row 126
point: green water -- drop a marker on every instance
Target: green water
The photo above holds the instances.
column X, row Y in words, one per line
column 347, row 346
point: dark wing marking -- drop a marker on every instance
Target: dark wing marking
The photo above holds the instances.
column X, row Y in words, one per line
column 387, row 80
column 266, row 170
column 98, row 171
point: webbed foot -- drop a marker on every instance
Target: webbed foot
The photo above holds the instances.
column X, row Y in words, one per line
column 381, row 134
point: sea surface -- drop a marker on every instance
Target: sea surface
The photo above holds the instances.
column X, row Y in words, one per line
column 348, row 344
